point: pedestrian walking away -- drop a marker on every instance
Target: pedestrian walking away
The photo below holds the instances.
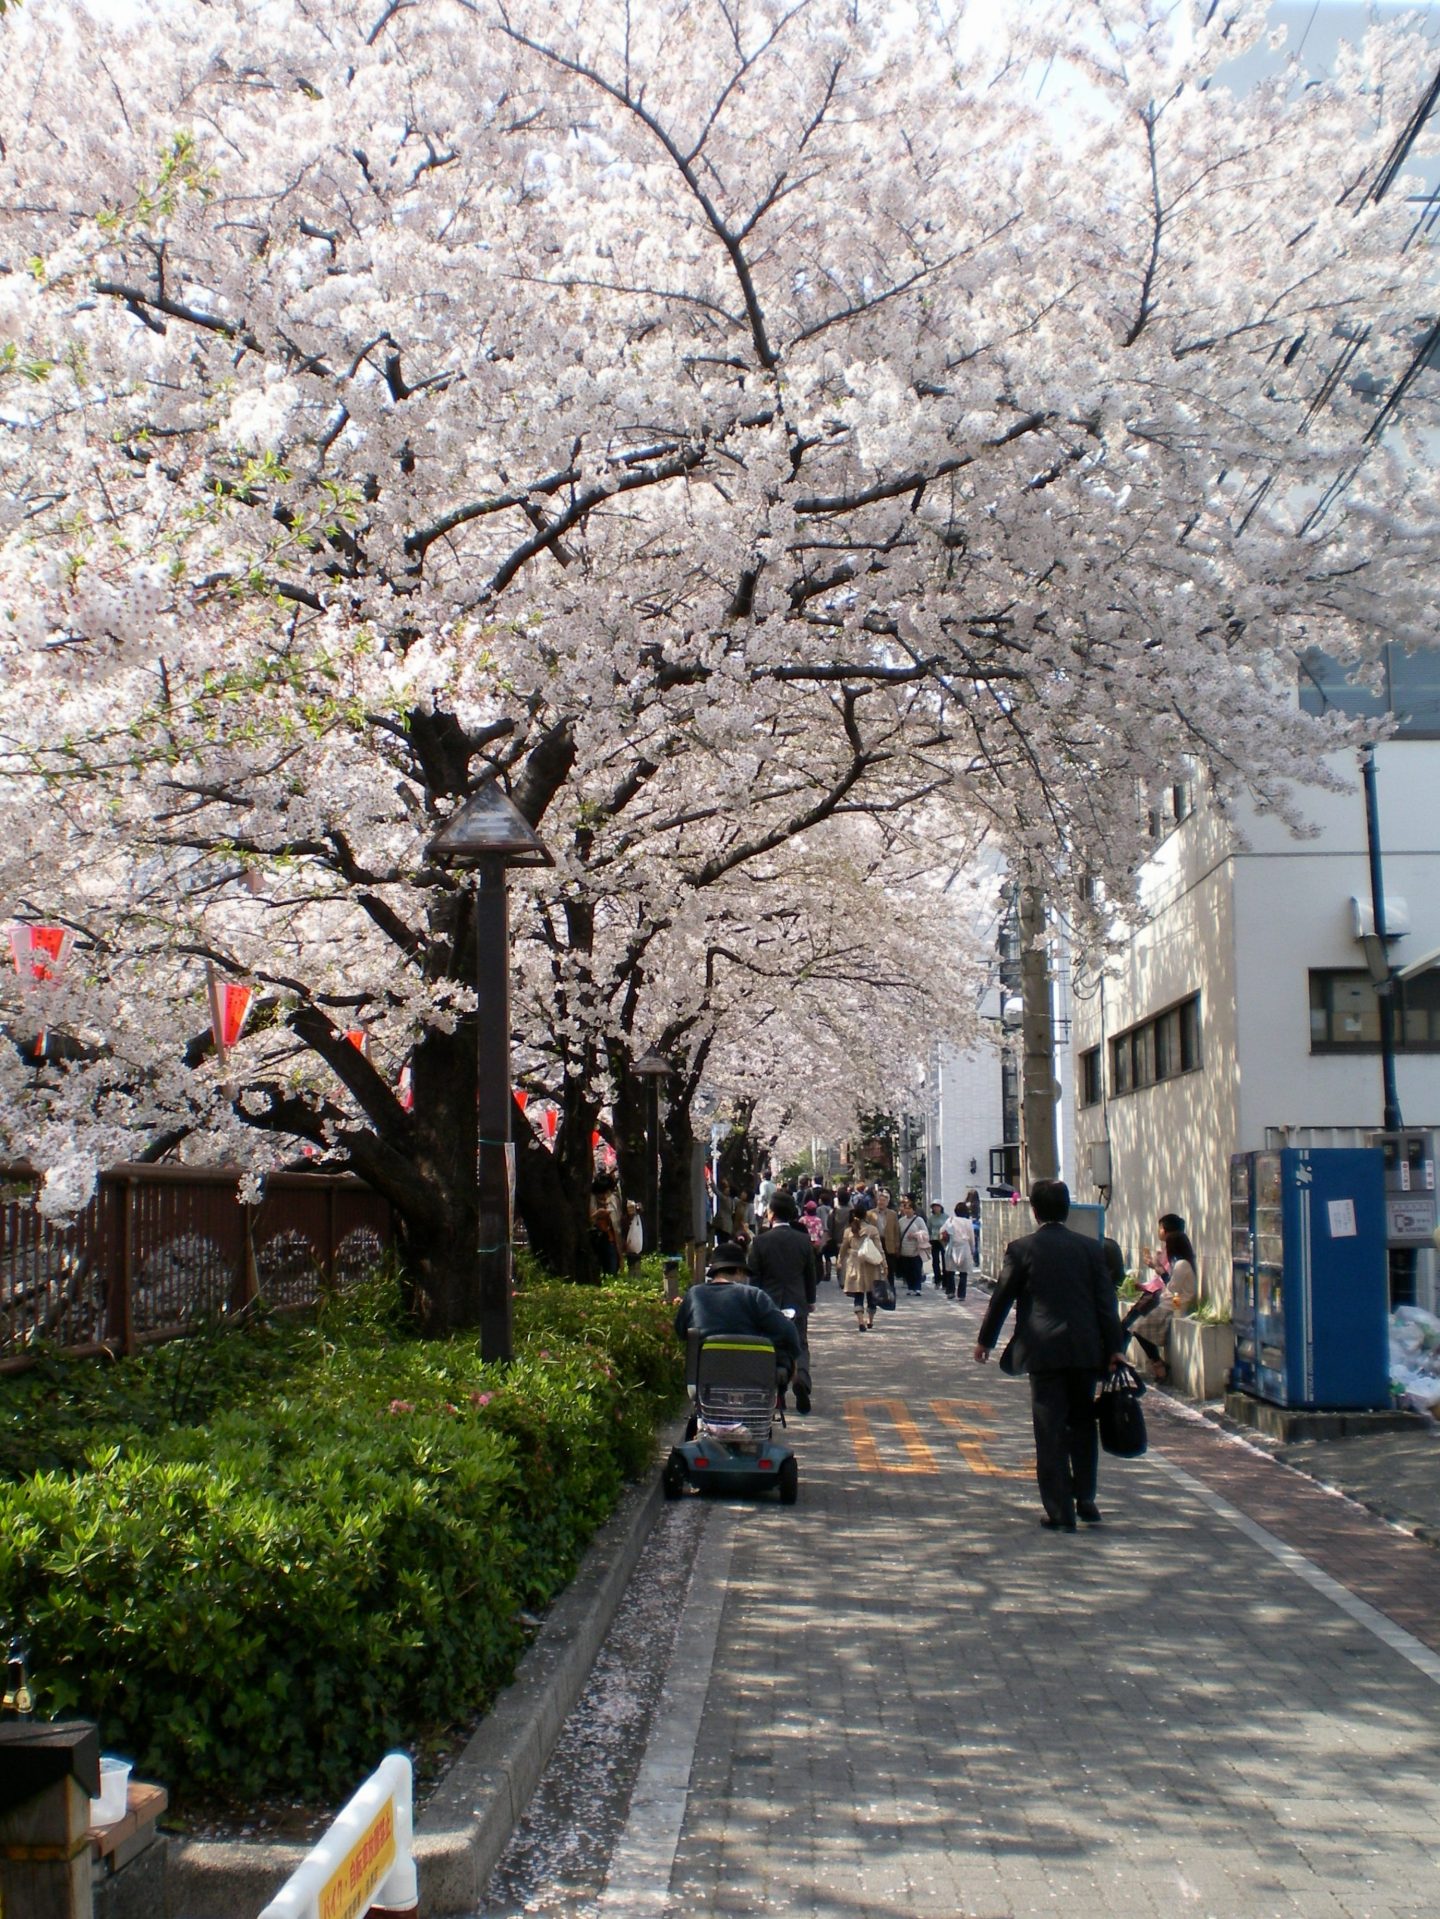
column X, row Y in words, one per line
column 936, row 1225
column 861, row 1264
column 783, row 1262
column 959, row 1252
column 971, row 1205
column 607, row 1230
column 1067, row 1331
column 839, row 1220
column 723, row 1223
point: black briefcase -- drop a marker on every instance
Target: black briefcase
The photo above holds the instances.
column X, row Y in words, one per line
column 1119, row 1416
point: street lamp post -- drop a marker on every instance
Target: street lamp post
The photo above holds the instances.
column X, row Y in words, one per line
column 652, row 1068
column 488, row 835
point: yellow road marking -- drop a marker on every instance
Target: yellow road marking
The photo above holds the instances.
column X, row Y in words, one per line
column 971, row 1446
column 918, row 1456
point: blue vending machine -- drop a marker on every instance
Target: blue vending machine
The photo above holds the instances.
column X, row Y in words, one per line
column 1309, row 1287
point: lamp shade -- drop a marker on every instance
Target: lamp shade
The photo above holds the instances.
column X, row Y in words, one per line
column 489, row 823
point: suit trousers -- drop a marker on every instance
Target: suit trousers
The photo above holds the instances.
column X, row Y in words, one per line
column 1067, row 1445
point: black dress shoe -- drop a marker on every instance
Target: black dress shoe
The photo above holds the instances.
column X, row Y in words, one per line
column 1088, row 1511
column 1065, row 1525
column 802, row 1401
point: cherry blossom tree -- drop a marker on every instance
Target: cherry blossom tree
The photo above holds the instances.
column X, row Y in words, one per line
column 722, row 424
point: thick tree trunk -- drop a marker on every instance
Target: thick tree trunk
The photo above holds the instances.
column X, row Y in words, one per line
column 740, row 1151
column 438, row 1267
column 633, row 1147
column 436, row 1212
column 677, row 1165
column 556, row 1215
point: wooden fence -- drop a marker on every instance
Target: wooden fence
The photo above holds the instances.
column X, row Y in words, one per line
column 160, row 1249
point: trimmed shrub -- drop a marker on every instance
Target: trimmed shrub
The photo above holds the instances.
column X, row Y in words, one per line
column 323, row 1545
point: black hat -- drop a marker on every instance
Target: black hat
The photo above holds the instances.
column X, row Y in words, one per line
column 728, row 1257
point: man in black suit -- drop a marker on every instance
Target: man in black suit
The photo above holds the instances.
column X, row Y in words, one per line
column 1067, row 1330
column 783, row 1262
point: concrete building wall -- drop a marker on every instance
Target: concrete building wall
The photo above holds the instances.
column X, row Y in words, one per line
column 1294, row 904
column 1240, row 911
column 1163, row 1138
column 967, row 1119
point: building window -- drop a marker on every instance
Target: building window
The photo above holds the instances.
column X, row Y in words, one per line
column 1345, row 1014
column 1092, row 1089
column 1142, row 1041
column 1169, row 806
column 1157, row 1049
column 1122, row 1079
column 1405, row 688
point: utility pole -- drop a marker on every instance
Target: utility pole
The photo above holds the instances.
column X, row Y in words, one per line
column 1377, row 950
column 1040, row 1141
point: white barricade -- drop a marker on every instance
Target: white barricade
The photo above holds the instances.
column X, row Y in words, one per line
column 366, row 1857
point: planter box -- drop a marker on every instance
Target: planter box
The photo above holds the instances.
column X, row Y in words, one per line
column 1199, row 1356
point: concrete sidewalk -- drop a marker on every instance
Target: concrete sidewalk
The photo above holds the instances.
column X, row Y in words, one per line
column 919, row 1702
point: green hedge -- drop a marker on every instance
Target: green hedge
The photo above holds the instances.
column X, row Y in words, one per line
column 262, row 1558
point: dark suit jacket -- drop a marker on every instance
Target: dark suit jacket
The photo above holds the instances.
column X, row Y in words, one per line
column 1064, row 1300
column 782, row 1260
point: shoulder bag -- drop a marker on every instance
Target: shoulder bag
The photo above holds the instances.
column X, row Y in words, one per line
column 1118, row 1414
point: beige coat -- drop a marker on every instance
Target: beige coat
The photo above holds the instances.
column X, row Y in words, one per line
column 855, row 1276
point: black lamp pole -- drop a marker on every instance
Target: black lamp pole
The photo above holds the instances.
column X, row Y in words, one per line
column 652, row 1067
column 494, row 1099
column 488, row 835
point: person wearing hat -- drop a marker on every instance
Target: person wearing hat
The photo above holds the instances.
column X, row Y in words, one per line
column 725, row 1303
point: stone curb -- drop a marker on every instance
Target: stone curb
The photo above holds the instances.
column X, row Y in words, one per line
column 468, row 1821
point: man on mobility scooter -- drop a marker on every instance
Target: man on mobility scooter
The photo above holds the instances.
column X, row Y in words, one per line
column 741, row 1352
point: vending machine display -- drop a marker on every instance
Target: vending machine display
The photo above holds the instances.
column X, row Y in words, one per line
column 1309, row 1290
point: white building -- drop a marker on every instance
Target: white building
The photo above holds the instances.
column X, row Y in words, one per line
column 973, row 1094
column 1240, row 1012
column 966, row 1118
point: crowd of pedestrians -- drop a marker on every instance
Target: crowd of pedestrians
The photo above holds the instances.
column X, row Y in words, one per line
column 862, row 1238
column 1060, row 1285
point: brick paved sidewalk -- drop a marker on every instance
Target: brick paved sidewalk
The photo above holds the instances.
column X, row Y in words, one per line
column 1397, row 1574
column 923, row 1703
column 1394, row 1474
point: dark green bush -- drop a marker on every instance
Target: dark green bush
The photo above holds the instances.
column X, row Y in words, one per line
column 322, row 1545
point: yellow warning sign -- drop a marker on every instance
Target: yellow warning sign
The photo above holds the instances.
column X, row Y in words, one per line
column 349, row 1889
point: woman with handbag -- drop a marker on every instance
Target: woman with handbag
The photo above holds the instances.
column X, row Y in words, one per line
column 911, row 1245
column 959, row 1252
column 862, row 1265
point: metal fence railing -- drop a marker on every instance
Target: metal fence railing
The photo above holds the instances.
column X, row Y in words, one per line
column 159, row 1249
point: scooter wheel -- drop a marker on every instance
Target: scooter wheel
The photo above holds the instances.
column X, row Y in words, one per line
column 788, row 1481
column 674, row 1477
